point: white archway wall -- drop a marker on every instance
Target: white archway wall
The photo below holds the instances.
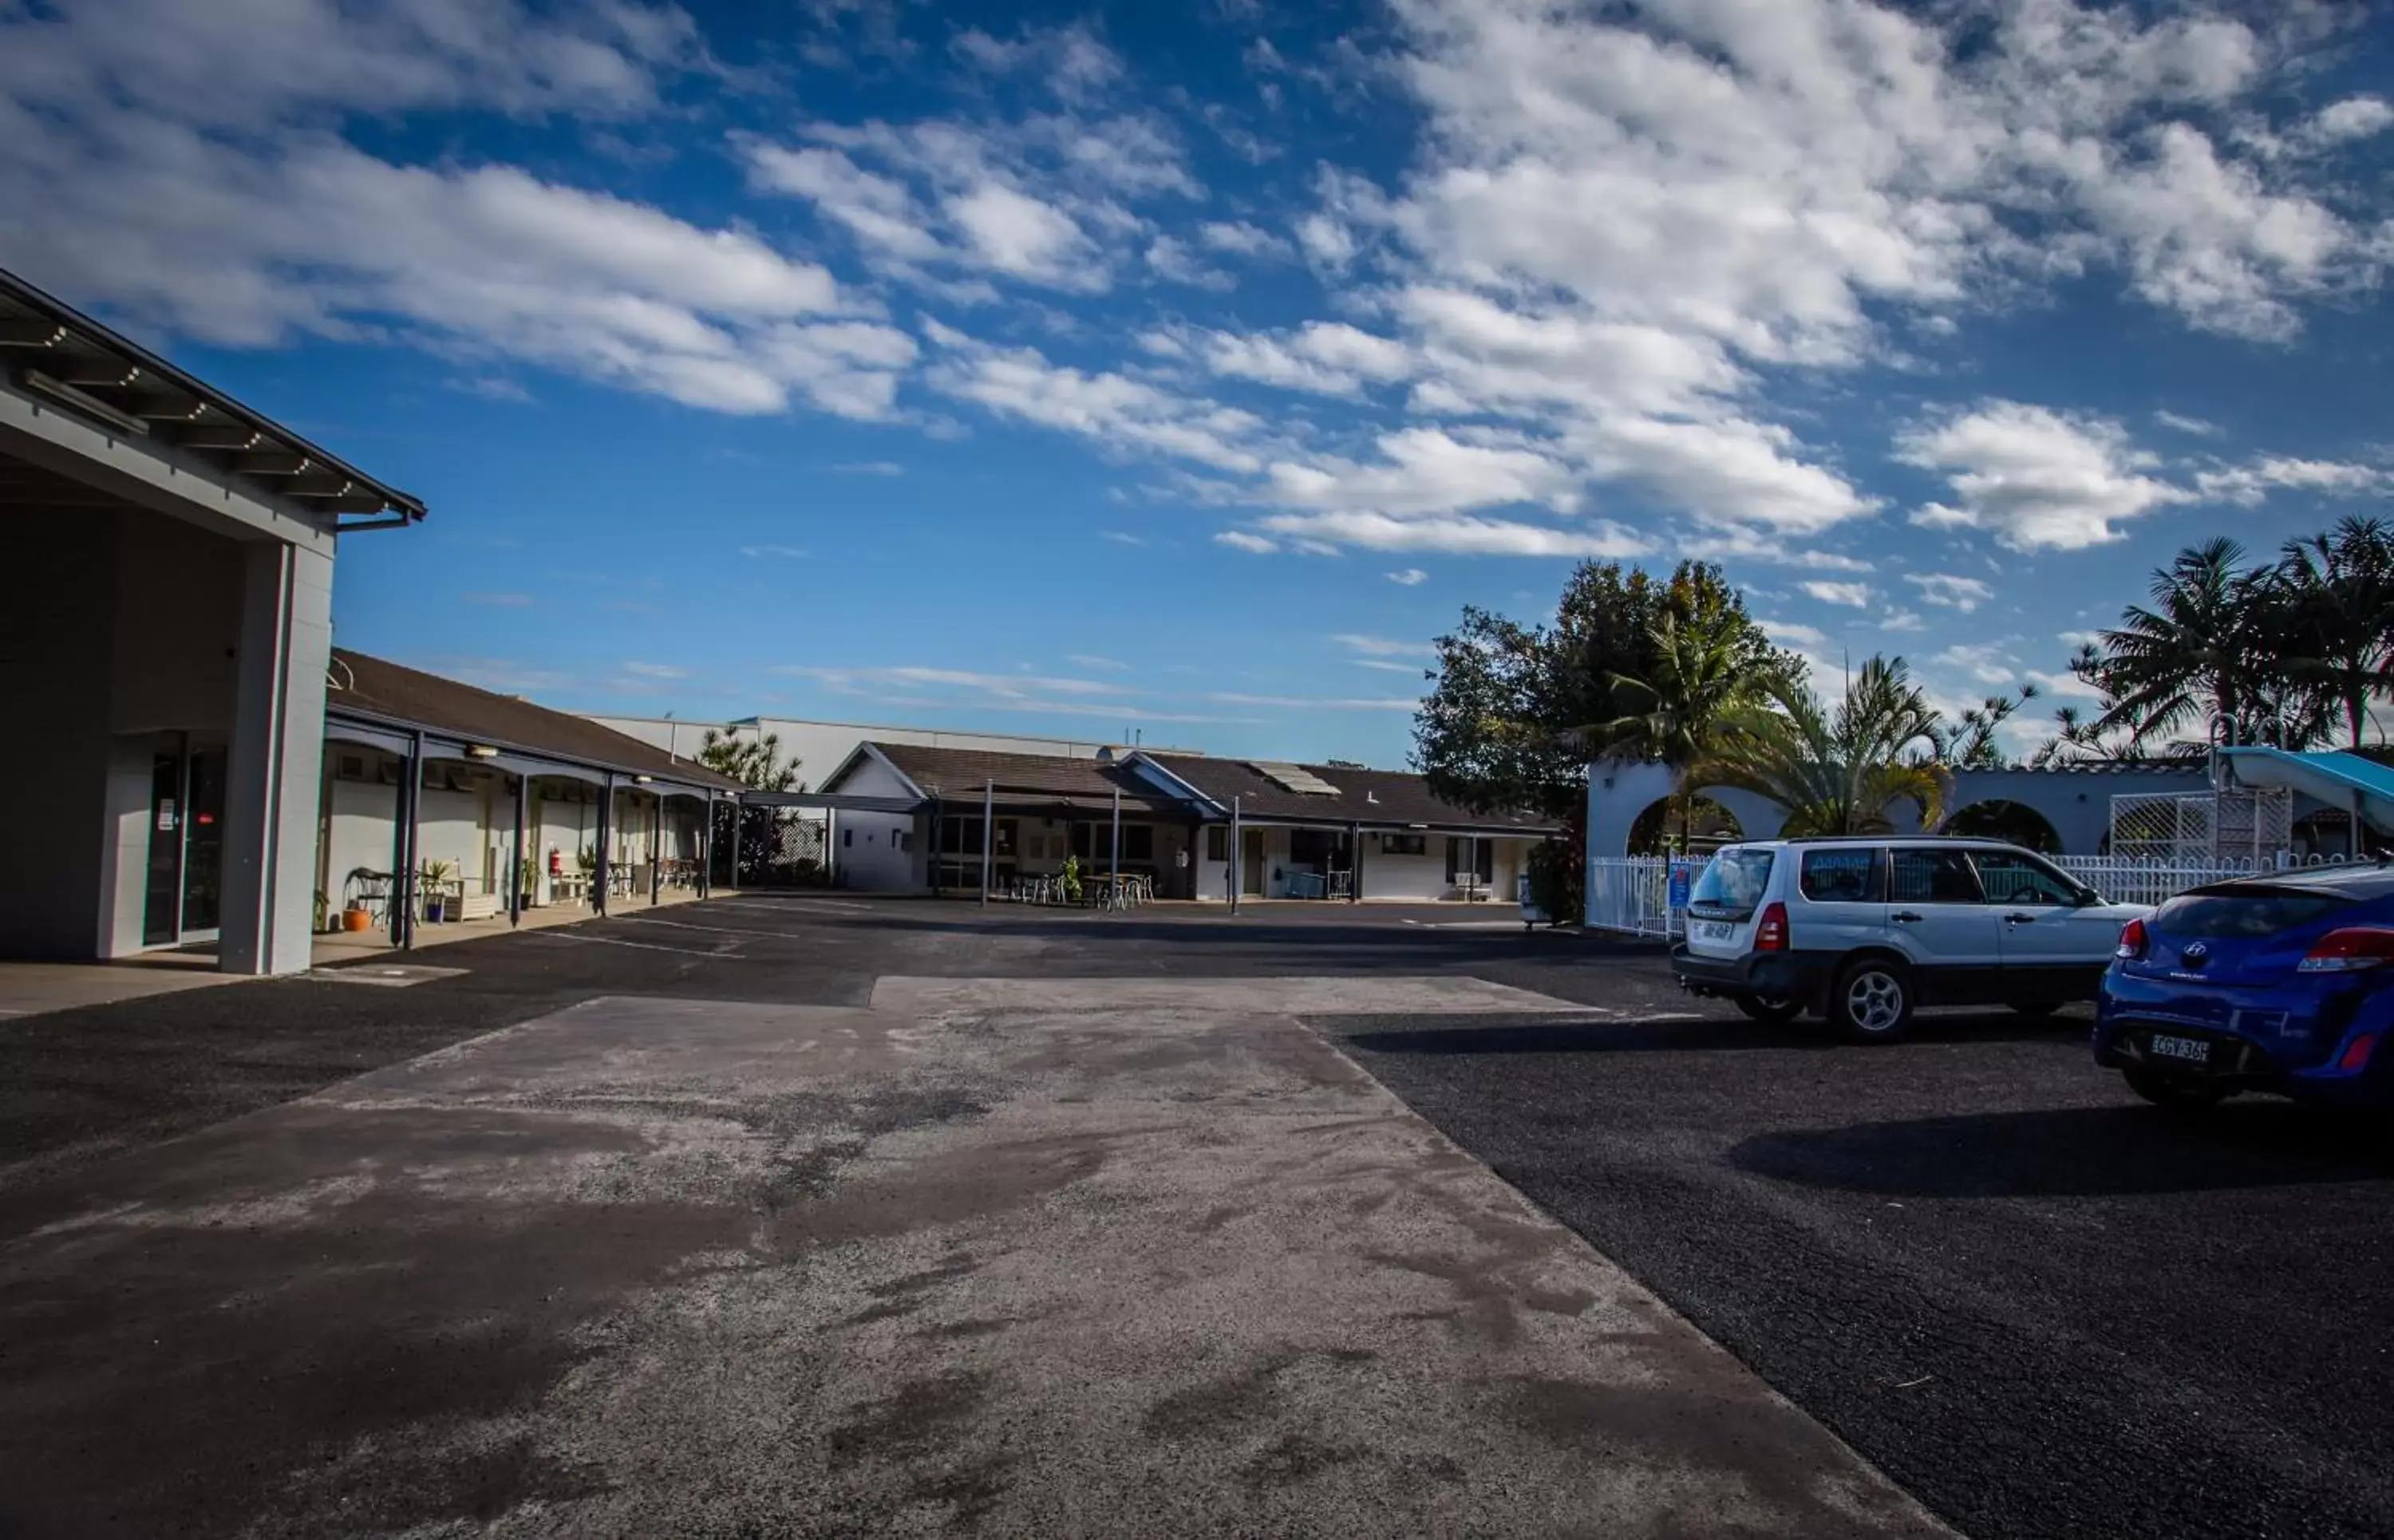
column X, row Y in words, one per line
column 2076, row 802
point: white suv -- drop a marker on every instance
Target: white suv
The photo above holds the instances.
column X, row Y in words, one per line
column 1862, row 928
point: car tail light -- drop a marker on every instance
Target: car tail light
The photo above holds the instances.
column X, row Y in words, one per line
column 1771, row 931
column 2357, row 1055
column 2350, row 949
column 2131, row 939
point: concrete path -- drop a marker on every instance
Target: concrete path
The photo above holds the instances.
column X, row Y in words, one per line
column 1079, row 1257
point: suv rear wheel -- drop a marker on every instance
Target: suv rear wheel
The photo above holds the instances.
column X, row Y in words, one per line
column 1872, row 1000
column 1769, row 1007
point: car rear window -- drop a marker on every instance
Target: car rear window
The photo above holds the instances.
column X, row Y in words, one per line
column 1843, row 876
column 2244, row 912
column 1731, row 884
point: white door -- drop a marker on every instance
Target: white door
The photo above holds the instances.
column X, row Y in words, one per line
column 2042, row 923
column 1935, row 914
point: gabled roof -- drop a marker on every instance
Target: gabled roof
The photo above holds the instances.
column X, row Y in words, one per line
column 1021, row 779
column 59, row 352
column 378, row 688
column 1373, row 799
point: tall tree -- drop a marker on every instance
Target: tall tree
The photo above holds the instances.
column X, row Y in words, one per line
column 1710, row 661
column 764, row 832
column 2334, row 598
column 1501, row 726
column 1836, row 769
column 2207, row 656
column 1973, row 741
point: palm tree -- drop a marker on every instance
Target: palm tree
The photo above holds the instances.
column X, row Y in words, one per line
column 2198, row 654
column 2336, row 597
column 1837, row 770
column 1703, row 673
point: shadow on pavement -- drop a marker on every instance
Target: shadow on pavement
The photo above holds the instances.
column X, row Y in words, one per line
column 1694, row 1036
column 2079, row 1152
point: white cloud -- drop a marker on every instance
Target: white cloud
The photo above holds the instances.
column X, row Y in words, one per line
column 1022, row 236
column 1090, row 659
column 1951, row 590
column 1985, row 663
column 1788, row 633
column 1314, row 703
column 2067, row 686
column 1241, row 540
column 2353, row 118
column 1458, row 535
column 1901, row 620
column 2039, row 480
column 2035, row 479
column 1858, row 594
column 1111, row 408
column 784, row 552
column 2250, row 485
column 1072, row 61
column 2079, row 638
column 1120, row 537
column 2197, row 427
column 1428, row 470
column 1409, row 577
column 870, row 467
column 1383, row 647
column 1239, row 238
column 657, row 671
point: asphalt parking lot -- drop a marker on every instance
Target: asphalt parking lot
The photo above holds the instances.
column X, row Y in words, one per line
column 2038, row 1306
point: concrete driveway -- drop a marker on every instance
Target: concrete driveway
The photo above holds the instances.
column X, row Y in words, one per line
column 1101, row 1256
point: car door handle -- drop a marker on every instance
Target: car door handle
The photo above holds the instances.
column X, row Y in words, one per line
column 2017, row 918
column 1905, row 916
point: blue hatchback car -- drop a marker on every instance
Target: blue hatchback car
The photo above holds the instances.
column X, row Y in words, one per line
column 2282, row 983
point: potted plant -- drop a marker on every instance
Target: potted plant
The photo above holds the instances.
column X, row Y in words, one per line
column 434, row 875
column 324, row 913
column 527, row 884
column 1068, row 881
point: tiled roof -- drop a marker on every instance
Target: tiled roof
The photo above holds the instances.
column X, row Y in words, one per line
column 1367, row 797
column 963, row 775
column 376, row 686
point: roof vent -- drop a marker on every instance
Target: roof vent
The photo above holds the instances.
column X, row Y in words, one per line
column 1293, row 777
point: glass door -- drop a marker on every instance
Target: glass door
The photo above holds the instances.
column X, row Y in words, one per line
column 203, row 788
column 162, row 904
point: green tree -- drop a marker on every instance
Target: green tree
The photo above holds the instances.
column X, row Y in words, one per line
column 1835, row 770
column 2211, row 654
column 765, row 833
column 1973, row 740
column 2334, row 601
column 1502, row 728
column 1710, row 661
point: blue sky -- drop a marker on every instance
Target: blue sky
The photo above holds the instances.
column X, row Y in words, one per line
column 1186, row 369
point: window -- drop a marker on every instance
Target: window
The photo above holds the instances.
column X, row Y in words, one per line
column 847, row 839
column 2009, row 878
column 1465, row 854
column 1005, row 831
column 1731, row 884
column 903, row 838
column 1139, row 842
column 959, row 836
column 1405, row 844
column 1218, row 842
column 1843, row 876
column 1930, row 876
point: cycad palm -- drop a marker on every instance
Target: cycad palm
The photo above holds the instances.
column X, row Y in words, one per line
column 1703, row 674
column 1834, row 770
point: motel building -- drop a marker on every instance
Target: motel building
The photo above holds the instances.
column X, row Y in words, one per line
column 214, row 774
column 910, row 818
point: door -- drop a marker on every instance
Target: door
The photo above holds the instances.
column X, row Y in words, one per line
column 203, row 784
column 1251, row 863
column 1936, row 915
column 2055, row 944
column 161, row 907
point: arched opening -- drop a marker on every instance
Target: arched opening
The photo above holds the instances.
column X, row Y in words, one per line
column 2015, row 823
column 1707, row 827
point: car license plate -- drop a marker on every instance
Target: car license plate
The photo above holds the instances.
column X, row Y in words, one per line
column 2185, row 1050
column 1714, row 930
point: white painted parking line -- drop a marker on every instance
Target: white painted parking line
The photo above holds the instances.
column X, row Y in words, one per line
column 728, row 951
